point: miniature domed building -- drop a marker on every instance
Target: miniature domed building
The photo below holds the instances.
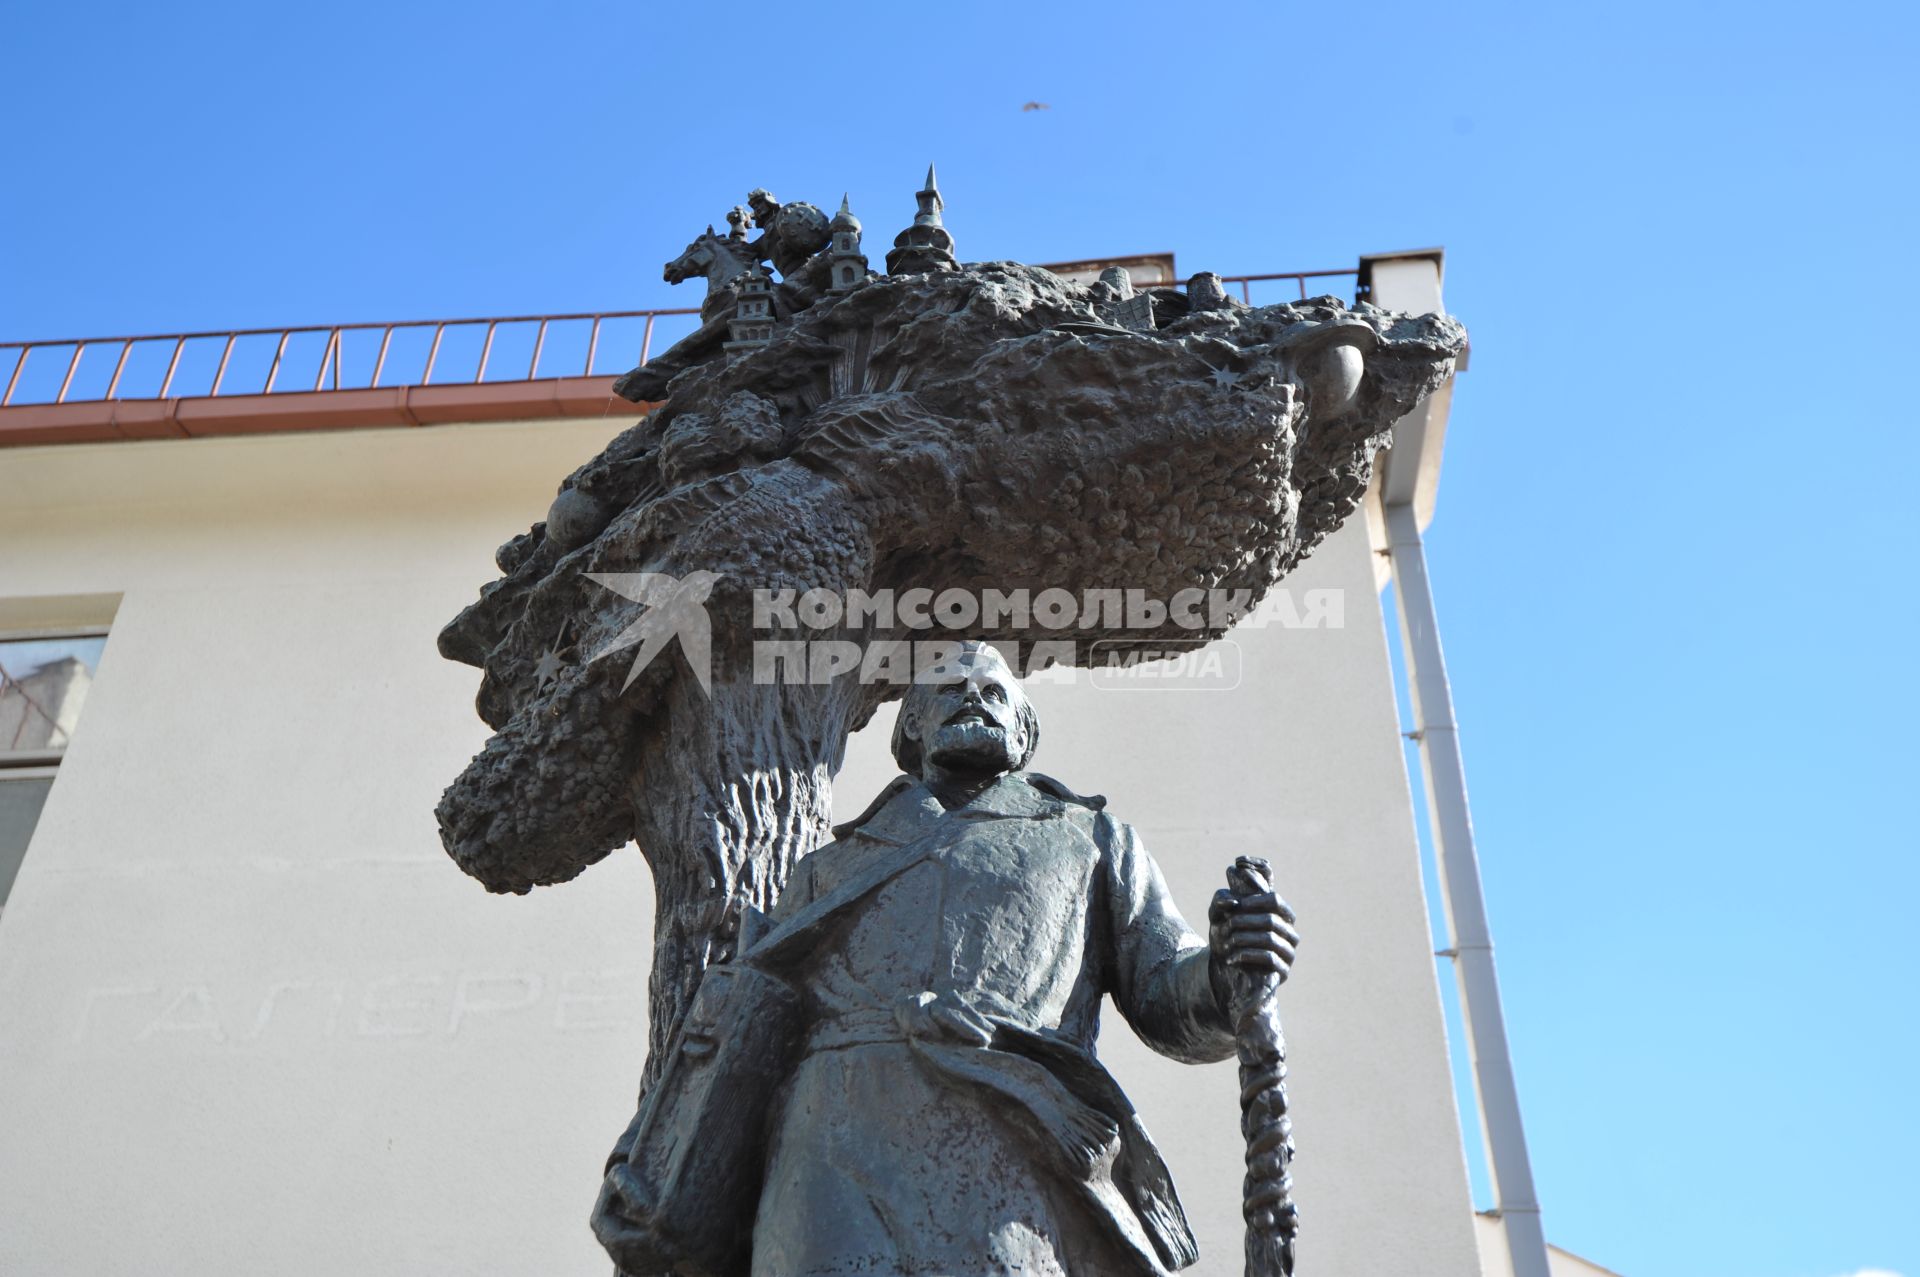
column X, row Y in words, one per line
column 848, row 265
column 926, row 245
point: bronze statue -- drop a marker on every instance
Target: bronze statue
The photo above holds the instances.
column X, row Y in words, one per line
column 937, row 1106
column 985, row 427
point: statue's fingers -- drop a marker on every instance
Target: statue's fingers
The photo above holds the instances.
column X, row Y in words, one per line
column 1260, row 942
column 1264, row 922
column 1223, row 906
column 1265, row 926
column 1267, row 902
column 1257, row 960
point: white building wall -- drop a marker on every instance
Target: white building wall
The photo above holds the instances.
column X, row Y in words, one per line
column 252, row 1019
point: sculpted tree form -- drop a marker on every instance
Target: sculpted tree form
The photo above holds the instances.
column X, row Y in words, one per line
column 980, row 426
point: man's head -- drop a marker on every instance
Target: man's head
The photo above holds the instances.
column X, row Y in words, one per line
column 764, row 206
column 968, row 717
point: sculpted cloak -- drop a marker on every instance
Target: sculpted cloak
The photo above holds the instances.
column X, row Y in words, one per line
column 947, row 1115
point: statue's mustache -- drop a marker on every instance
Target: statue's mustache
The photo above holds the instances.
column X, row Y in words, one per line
column 970, row 732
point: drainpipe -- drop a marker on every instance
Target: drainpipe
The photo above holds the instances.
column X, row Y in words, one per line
column 1412, row 283
column 1446, row 782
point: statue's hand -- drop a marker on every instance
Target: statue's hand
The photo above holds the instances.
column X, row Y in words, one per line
column 1250, row 930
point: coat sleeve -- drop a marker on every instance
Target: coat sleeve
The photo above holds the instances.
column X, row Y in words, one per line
column 1158, row 969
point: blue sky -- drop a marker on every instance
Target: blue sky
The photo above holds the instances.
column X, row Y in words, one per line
column 1676, row 532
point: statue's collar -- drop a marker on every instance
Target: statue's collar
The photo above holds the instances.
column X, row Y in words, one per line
column 907, row 809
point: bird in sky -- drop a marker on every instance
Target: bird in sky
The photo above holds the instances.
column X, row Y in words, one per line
column 1037, row 106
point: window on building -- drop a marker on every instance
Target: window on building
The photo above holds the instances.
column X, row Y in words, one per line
column 44, row 679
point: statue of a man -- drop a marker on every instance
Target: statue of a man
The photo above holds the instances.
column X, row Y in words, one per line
column 947, row 1113
column 792, row 233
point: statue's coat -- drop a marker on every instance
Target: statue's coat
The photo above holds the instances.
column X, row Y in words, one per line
column 947, row 1115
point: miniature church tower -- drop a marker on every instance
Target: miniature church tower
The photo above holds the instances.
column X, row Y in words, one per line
column 925, row 245
column 847, row 263
column 752, row 324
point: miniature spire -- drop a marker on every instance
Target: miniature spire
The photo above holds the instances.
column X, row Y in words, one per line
column 847, row 265
column 930, row 202
column 844, row 219
column 926, row 245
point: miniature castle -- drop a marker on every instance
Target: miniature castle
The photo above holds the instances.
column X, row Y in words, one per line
column 752, row 324
column 926, row 245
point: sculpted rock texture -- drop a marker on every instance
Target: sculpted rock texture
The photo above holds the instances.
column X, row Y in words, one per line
column 991, row 426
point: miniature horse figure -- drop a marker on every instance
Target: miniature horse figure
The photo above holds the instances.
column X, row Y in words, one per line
column 722, row 261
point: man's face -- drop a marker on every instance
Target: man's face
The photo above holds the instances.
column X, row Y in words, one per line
column 968, row 720
column 763, row 207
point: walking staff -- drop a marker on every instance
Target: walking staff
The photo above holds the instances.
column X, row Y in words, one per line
column 1272, row 1219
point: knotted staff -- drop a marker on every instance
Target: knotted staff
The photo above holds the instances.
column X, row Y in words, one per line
column 1267, row 1195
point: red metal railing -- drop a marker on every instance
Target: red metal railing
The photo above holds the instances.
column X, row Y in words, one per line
column 323, row 368
column 1300, row 277
column 165, row 365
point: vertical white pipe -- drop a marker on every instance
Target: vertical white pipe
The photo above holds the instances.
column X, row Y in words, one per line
column 1446, row 785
